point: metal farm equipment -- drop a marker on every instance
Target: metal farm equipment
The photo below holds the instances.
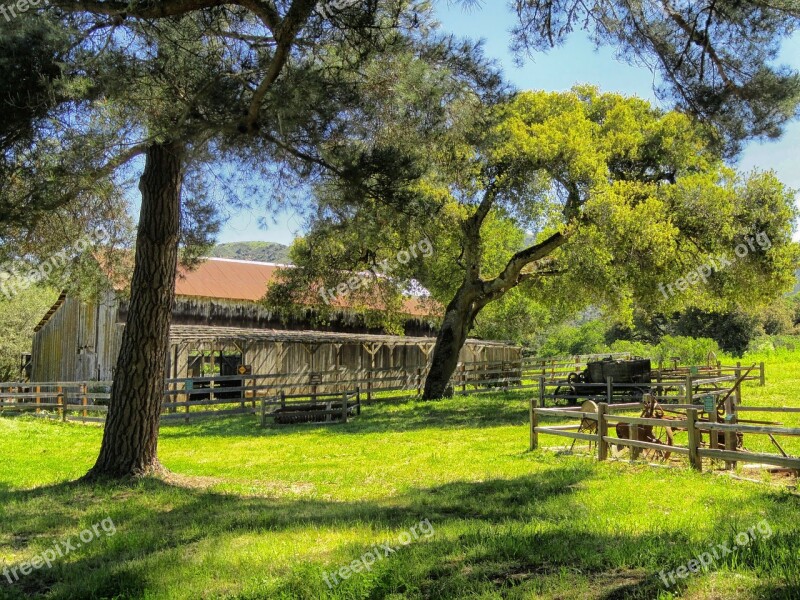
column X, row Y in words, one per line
column 591, row 382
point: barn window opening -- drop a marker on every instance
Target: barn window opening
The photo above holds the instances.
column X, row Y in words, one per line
column 214, row 364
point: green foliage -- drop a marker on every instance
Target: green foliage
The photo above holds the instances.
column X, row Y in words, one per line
column 732, row 330
column 591, row 337
column 689, row 350
column 569, row 340
column 18, row 316
column 640, row 197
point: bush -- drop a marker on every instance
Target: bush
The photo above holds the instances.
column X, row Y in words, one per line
column 692, row 351
column 569, row 340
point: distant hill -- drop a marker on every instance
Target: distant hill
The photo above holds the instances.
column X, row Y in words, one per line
column 257, row 251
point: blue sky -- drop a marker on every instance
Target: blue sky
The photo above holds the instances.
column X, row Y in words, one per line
column 575, row 62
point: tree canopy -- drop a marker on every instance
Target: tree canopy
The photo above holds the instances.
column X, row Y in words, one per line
column 619, row 200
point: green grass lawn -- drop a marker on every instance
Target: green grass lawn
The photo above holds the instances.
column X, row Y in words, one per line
column 254, row 513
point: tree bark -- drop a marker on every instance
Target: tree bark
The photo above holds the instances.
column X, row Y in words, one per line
column 452, row 335
column 472, row 296
column 130, row 440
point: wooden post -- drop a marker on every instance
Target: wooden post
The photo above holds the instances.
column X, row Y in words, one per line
column 719, row 368
column 263, row 411
column 358, row 400
column 370, row 374
column 602, row 431
column 762, row 379
column 419, row 382
column 695, row 460
column 38, row 398
column 283, row 399
column 609, row 389
column 61, row 398
column 541, row 391
column 689, row 399
column 534, row 425
column 463, row 378
column 344, row 408
column 633, row 432
column 713, row 436
column 730, row 436
column 84, row 400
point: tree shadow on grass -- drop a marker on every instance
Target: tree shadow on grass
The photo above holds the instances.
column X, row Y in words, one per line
column 153, row 519
column 500, row 538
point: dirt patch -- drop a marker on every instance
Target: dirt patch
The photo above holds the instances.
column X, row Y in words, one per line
column 195, row 482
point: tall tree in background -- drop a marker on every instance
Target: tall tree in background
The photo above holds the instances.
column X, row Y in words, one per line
column 622, row 198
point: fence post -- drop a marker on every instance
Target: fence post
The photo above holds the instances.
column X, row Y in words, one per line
column 713, row 436
column 609, row 389
column 263, row 411
column 633, row 433
column 63, row 398
column 689, row 399
column 762, row 379
column 463, row 378
column 602, row 431
column 534, row 425
column 370, row 374
column 358, row 400
column 730, row 436
column 344, row 408
column 84, row 400
column 419, row 382
column 695, row 460
column 541, row 391
column 38, row 398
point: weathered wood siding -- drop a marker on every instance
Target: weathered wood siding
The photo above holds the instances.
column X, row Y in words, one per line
column 80, row 342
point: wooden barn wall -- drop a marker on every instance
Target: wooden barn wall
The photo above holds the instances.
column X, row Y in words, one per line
column 399, row 362
column 80, row 342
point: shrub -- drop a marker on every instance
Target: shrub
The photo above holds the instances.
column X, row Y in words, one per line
column 689, row 350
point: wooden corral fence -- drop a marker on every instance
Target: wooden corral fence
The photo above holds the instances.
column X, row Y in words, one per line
column 187, row 398
column 87, row 402
column 724, row 438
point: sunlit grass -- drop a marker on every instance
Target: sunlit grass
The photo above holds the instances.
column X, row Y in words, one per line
column 263, row 513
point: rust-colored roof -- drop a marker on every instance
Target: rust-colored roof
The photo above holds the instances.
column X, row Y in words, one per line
column 226, row 279
column 229, row 279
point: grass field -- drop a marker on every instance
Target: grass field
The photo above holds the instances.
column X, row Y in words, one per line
column 253, row 513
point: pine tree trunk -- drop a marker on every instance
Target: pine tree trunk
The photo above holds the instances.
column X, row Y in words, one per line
column 130, row 440
column 452, row 336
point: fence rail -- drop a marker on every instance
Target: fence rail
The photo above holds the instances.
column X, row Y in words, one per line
column 241, row 394
column 594, row 427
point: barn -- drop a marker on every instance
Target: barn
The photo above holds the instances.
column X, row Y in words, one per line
column 220, row 327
